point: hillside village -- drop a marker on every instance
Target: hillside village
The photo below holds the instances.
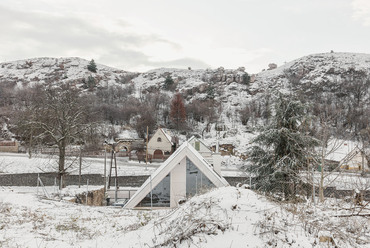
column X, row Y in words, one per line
column 182, row 147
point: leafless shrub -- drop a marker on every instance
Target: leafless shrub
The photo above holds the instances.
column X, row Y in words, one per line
column 334, row 221
column 184, row 225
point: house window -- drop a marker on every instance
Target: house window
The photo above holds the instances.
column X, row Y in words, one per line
column 197, row 145
column 159, row 139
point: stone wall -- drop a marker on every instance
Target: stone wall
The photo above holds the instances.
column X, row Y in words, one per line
column 49, row 179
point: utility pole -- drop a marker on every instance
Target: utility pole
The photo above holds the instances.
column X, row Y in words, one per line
column 105, row 167
column 79, row 171
column 146, row 155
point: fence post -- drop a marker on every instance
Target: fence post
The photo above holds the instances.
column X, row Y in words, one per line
column 87, row 190
column 115, row 189
column 313, row 186
column 55, row 185
column 38, row 183
column 79, row 170
column 151, row 194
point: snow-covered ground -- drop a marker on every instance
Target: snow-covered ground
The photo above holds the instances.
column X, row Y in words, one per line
column 224, row 217
column 13, row 163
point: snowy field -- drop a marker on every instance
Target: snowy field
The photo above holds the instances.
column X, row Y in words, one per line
column 340, row 180
column 14, row 163
column 225, row 217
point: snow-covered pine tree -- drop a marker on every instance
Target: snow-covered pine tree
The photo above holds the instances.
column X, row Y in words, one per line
column 282, row 149
column 92, row 66
column 168, row 83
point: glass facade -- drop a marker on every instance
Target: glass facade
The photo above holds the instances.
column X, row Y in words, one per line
column 196, row 181
column 160, row 195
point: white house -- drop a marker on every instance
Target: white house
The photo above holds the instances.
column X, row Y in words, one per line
column 185, row 173
column 214, row 158
column 348, row 155
column 161, row 143
column 355, row 160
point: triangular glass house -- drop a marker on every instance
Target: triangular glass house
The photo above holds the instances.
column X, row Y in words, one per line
column 184, row 174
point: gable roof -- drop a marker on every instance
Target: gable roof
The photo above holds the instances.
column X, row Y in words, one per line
column 165, row 133
column 185, row 150
column 338, row 149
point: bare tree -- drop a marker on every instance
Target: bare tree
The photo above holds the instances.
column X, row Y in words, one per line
column 57, row 116
column 327, row 132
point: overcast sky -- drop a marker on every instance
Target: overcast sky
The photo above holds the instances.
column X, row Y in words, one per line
column 145, row 34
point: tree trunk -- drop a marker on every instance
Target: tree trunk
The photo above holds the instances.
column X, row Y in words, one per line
column 62, row 155
column 30, row 144
column 321, row 185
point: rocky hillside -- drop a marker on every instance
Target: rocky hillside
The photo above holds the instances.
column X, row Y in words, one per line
column 323, row 72
column 340, row 80
column 55, row 70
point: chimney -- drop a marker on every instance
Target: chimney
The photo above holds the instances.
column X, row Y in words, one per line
column 216, row 156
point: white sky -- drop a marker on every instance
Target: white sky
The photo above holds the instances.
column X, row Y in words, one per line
column 145, row 34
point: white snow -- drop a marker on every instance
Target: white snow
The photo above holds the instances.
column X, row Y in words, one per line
column 338, row 149
column 15, row 163
column 225, row 217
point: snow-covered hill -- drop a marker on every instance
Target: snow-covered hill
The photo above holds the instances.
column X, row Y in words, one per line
column 342, row 76
column 315, row 70
column 55, row 70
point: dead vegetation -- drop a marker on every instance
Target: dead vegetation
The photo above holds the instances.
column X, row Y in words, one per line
column 336, row 222
column 184, row 225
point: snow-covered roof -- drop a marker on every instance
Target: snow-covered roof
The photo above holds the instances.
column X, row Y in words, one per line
column 128, row 134
column 167, row 135
column 337, row 149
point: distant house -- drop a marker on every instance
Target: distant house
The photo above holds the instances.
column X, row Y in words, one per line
column 214, row 158
column 185, row 173
column 125, row 146
column 355, row 160
column 348, row 156
column 9, row 146
column 162, row 144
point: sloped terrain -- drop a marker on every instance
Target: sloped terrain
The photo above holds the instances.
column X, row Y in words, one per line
column 224, row 217
column 55, row 70
column 338, row 80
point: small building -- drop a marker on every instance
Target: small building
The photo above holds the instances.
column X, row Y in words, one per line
column 185, row 173
column 347, row 155
column 214, row 158
column 9, row 146
column 355, row 160
column 125, row 146
column 162, row 144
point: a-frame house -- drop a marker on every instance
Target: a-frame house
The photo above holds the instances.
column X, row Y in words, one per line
column 183, row 174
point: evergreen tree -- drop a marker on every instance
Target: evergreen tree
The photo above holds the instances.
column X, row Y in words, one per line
column 91, row 83
column 246, row 79
column 168, row 83
column 177, row 112
column 282, row 149
column 92, row 66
